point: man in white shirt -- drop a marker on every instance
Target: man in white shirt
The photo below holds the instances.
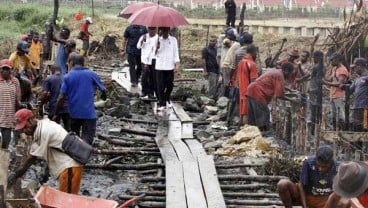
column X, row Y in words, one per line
column 167, row 62
column 147, row 43
column 47, row 139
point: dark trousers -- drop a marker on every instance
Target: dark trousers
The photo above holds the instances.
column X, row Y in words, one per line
column 88, row 127
column 165, row 85
column 135, row 68
column 230, row 20
column 5, row 137
column 149, row 79
column 65, row 117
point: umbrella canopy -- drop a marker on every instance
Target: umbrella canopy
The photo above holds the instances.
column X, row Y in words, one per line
column 158, row 16
column 131, row 8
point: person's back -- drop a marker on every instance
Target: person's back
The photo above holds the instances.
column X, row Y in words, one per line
column 80, row 86
column 267, row 86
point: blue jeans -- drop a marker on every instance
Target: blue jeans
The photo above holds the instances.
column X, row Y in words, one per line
column 88, row 127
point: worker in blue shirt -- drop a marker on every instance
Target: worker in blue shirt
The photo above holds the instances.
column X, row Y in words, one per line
column 79, row 87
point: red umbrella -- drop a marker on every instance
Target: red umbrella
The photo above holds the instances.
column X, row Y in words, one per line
column 130, row 9
column 158, row 16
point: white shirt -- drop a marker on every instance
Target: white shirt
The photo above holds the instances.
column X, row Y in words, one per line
column 168, row 54
column 148, row 48
column 48, row 136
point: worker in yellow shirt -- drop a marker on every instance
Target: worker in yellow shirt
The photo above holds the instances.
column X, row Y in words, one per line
column 20, row 60
column 35, row 54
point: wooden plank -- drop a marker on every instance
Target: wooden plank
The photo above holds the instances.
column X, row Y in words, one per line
column 187, row 130
column 182, row 150
column 182, row 115
column 194, row 70
column 175, row 190
column 163, row 143
column 174, row 132
column 122, row 77
column 195, row 147
column 193, row 185
column 210, row 182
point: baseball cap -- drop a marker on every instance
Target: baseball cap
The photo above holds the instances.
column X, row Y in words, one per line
column 22, row 117
column 6, row 63
column 23, row 45
column 89, row 19
column 359, row 62
column 334, row 56
column 245, row 38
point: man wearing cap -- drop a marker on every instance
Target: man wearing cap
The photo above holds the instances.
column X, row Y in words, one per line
column 230, row 10
column 20, row 59
column 337, row 76
column 351, row 182
column 261, row 92
column 315, row 181
column 47, row 138
column 79, row 88
column 85, row 34
column 245, row 73
column 9, row 101
column 210, row 67
column 147, row 44
column 131, row 37
column 228, row 64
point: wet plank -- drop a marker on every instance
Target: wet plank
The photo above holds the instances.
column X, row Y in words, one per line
column 182, row 115
column 210, row 182
column 163, row 143
column 175, row 190
column 122, row 77
column 182, row 151
column 195, row 147
column 193, row 185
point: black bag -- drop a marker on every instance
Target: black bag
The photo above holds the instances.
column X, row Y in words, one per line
column 76, row 148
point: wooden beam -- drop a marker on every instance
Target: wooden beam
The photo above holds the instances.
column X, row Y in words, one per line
column 175, row 191
column 193, row 185
column 210, row 182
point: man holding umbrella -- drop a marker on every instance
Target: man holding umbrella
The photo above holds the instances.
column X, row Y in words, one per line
column 167, row 62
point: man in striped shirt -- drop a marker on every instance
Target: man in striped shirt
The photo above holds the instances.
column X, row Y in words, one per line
column 9, row 101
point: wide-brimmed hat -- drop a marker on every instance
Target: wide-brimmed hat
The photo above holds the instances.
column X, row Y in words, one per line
column 22, row 117
column 293, row 52
column 351, row 179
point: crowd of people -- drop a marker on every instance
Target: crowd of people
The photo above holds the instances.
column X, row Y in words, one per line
column 232, row 70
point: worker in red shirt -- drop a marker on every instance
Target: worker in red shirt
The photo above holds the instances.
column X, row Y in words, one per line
column 260, row 93
column 84, row 35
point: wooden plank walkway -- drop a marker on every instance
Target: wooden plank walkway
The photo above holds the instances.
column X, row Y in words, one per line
column 191, row 178
column 197, row 169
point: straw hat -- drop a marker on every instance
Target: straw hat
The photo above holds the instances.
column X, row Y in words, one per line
column 351, row 179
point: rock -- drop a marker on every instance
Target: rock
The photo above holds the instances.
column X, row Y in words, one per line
column 202, row 133
column 115, row 131
column 124, row 100
column 99, row 113
column 213, row 144
column 121, row 111
column 222, row 114
column 219, row 125
column 213, row 118
column 222, row 102
column 212, row 110
column 202, row 117
column 191, row 105
column 206, row 100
